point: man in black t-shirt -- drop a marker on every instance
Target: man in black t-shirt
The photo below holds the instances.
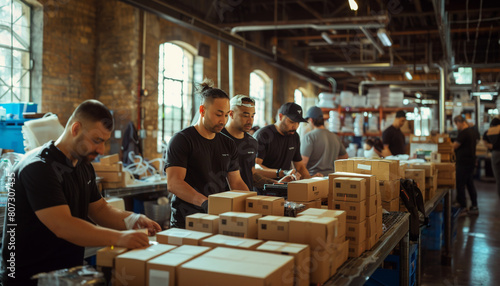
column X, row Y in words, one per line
column 279, row 143
column 465, row 151
column 240, row 122
column 54, row 194
column 393, row 138
column 200, row 160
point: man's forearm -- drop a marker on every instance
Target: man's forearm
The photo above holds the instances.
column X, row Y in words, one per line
column 265, row 171
column 111, row 217
column 186, row 193
column 259, row 180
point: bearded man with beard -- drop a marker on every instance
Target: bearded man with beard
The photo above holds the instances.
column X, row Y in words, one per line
column 279, row 144
column 55, row 198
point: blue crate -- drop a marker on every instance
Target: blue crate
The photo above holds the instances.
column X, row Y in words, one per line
column 11, row 136
column 389, row 277
column 15, row 110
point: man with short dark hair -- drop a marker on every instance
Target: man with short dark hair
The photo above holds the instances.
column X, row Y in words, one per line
column 55, row 195
column 200, row 160
column 393, row 138
column 320, row 147
column 465, row 151
column 279, row 143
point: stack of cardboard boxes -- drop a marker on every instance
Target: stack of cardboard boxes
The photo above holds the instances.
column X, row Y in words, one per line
column 445, row 149
column 389, row 191
column 446, row 177
column 110, row 169
column 431, row 178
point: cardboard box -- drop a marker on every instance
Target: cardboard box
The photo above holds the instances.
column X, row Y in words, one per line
column 362, row 166
column 220, row 240
column 342, row 254
column 430, row 168
column 113, row 185
column 446, row 174
column 355, row 250
column 308, row 189
column 371, row 205
column 371, row 225
column 110, row 159
column 311, row 204
column 179, row 236
column 380, row 222
column 392, row 206
column 389, row 190
column 265, row 205
column 316, row 231
column 132, row 265
column 349, row 189
column 356, row 232
column 111, row 177
column 226, row 266
column 105, row 257
column 323, row 265
column 345, row 165
column 418, row 175
column 371, row 184
column 239, row 224
column 301, row 254
column 429, row 193
column 228, row 202
column 431, row 182
column 274, row 228
column 355, row 211
column 163, row 269
column 340, row 215
column 445, row 167
column 203, row 222
column 118, row 203
column 100, row 167
column 385, row 169
column 371, row 241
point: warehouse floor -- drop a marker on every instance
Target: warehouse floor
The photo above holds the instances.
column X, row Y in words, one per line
column 476, row 250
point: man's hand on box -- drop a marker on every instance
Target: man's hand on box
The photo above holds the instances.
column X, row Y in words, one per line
column 144, row 222
column 132, row 239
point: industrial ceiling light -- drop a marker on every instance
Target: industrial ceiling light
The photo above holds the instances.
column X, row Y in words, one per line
column 408, row 75
column 353, row 5
column 384, row 37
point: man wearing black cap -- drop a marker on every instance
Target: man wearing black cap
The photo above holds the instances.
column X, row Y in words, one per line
column 393, row 138
column 279, row 143
column 320, row 147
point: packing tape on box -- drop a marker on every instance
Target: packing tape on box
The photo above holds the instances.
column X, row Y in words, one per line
column 176, row 238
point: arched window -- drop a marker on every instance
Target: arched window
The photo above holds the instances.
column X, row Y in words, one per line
column 15, row 51
column 298, row 97
column 175, row 91
column 261, row 92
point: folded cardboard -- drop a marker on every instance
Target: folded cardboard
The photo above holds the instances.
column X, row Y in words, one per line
column 131, row 266
column 389, row 190
column 163, row 269
column 355, row 250
column 317, row 232
column 220, row 240
column 370, row 183
column 228, row 202
column 239, row 224
column 349, row 189
column 225, row 266
column 308, row 189
column 105, row 256
column 340, row 215
column 355, row 211
column 265, row 205
column 371, row 205
column 110, row 159
column 391, row 206
column 274, row 228
column 356, row 232
column 179, row 236
column 203, row 222
column 301, row 254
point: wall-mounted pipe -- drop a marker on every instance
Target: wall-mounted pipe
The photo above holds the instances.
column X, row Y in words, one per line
column 346, row 26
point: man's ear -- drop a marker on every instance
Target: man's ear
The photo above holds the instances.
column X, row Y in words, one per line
column 76, row 127
column 231, row 113
column 202, row 110
column 280, row 115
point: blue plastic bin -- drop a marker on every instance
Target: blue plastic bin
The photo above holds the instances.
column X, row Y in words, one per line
column 11, row 136
column 15, row 110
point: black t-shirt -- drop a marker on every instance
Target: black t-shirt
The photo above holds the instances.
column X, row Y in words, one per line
column 466, row 153
column 247, row 151
column 207, row 162
column 395, row 139
column 44, row 178
column 276, row 150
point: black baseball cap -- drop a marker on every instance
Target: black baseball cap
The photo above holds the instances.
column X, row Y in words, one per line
column 400, row 114
column 292, row 111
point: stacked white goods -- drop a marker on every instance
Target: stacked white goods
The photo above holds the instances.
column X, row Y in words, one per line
column 359, row 121
column 359, row 101
column 393, row 99
column 373, row 97
column 348, row 124
column 346, row 98
column 334, row 121
column 327, row 99
column 373, row 123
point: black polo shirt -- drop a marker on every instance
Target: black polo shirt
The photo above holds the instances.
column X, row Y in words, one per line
column 44, row 178
column 276, row 150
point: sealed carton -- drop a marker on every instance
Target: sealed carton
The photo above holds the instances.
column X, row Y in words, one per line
column 105, row 257
column 344, row 165
column 371, row 205
column 239, row 224
column 301, row 254
column 308, row 189
column 362, row 166
column 385, row 169
column 323, row 265
column 379, row 220
column 349, row 189
column 392, row 206
column 203, row 222
column 226, row 266
column 274, row 228
column 340, row 215
column 370, row 183
column 163, row 269
column 355, row 250
column 418, row 175
column 132, row 265
column 389, row 190
column 342, row 254
column 356, row 232
column 265, row 205
column 430, row 168
column 371, row 241
column 233, row 201
column 220, row 240
column 355, row 211
column 317, row 232
column 179, row 236
column 371, row 225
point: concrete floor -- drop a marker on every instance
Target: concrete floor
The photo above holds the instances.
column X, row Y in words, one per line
column 476, row 250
